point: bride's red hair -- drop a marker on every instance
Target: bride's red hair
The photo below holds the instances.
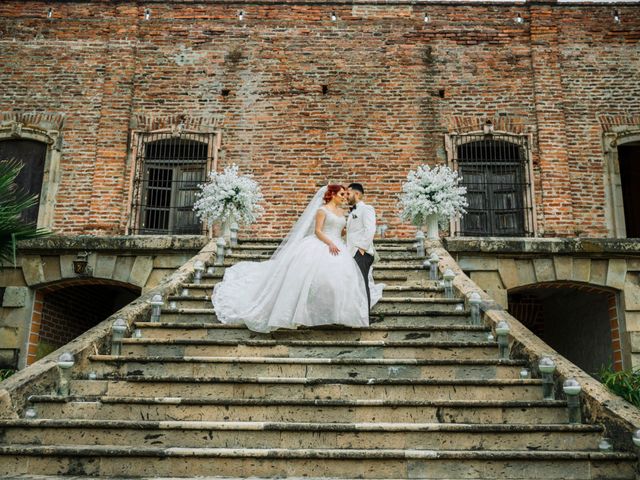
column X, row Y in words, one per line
column 331, row 192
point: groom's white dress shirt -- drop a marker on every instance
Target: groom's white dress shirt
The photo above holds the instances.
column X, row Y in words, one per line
column 361, row 228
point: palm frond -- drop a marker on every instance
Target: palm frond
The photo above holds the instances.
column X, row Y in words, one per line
column 13, row 201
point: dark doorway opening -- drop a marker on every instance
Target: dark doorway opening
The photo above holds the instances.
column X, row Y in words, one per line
column 629, row 160
column 32, row 154
column 62, row 313
column 577, row 321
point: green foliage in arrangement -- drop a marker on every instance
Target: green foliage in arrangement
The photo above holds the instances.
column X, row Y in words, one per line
column 13, row 202
column 6, row 373
column 625, row 383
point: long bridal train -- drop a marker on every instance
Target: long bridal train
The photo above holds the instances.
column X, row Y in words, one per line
column 302, row 284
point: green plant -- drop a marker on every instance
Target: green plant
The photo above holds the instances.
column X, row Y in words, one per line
column 6, row 373
column 625, row 383
column 13, row 201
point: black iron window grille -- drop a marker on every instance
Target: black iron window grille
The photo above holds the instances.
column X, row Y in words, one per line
column 168, row 169
column 497, row 173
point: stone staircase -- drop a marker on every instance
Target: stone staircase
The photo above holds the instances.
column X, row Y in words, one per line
column 419, row 394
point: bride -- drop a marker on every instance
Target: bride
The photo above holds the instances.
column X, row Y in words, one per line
column 310, row 279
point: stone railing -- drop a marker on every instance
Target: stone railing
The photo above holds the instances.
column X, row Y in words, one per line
column 42, row 377
column 599, row 406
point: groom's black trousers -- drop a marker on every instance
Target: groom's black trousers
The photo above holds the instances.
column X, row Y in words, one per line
column 364, row 262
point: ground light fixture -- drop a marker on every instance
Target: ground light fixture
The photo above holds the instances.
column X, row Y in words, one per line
column 198, row 267
column 572, row 390
column 434, row 260
column 117, row 333
column 448, row 277
column 65, row 364
column 156, row 307
column 502, row 332
column 547, row 366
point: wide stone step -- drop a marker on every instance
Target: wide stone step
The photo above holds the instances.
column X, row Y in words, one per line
column 394, row 273
column 203, row 291
column 381, row 244
column 314, row 410
column 257, row 254
column 361, row 463
column 389, row 306
column 210, row 434
column 418, row 349
column 208, row 331
column 386, row 277
column 311, row 388
column 105, row 366
column 402, row 305
column 409, row 321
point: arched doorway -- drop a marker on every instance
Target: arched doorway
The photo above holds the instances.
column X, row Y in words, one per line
column 579, row 321
column 32, row 154
column 65, row 310
column 629, row 163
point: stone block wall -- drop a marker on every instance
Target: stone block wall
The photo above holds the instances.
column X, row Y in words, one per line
column 305, row 100
column 40, row 302
column 606, row 267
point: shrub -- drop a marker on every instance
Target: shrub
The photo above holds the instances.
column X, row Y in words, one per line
column 625, row 383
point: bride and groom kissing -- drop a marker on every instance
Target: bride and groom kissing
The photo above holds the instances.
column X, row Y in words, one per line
column 314, row 277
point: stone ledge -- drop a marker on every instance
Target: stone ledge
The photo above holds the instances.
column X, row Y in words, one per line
column 132, row 243
column 519, row 245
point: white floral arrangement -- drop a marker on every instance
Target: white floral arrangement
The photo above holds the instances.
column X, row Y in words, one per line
column 229, row 197
column 430, row 191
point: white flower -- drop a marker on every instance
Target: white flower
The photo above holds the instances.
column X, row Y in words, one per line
column 229, row 196
column 430, row 191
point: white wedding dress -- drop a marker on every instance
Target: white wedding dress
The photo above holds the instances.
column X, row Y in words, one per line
column 302, row 284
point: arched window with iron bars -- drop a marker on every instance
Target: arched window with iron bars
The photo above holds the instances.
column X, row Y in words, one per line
column 495, row 170
column 168, row 169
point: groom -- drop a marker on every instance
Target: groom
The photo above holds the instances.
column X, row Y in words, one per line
column 361, row 227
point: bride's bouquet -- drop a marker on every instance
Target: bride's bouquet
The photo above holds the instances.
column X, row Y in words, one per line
column 432, row 193
column 229, row 197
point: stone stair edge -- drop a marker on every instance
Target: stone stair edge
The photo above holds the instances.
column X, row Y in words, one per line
column 321, row 328
column 307, row 360
column 301, row 426
column 106, row 399
column 312, row 343
column 377, row 454
column 316, row 381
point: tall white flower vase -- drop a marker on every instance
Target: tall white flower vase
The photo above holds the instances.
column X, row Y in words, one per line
column 432, row 227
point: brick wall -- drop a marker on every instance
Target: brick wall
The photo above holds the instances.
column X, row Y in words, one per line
column 393, row 83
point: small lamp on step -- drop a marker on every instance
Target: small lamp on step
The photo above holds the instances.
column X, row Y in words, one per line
column 448, row 277
column 434, row 260
column 474, row 305
column 65, row 363
column 420, row 243
column 156, row 307
column 547, row 366
column 117, row 333
column 233, row 238
column 572, row 390
column 220, row 244
column 636, row 438
column 198, row 267
column 30, row 413
column 502, row 332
